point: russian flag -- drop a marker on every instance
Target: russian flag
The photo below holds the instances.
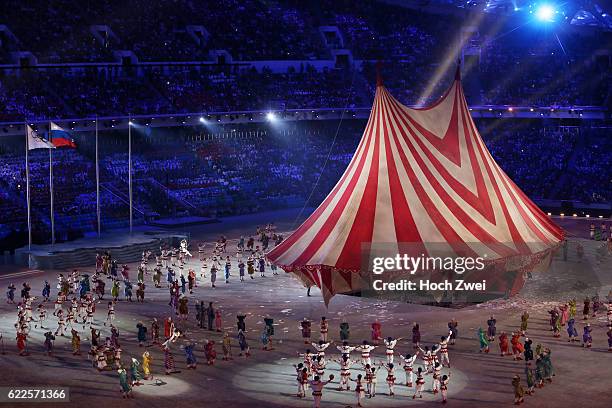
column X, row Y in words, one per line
column 60, row 137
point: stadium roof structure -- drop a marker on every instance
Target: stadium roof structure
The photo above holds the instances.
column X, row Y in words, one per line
column 420, row 179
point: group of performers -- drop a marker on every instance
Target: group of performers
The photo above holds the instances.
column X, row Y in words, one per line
column 81, row 293
column 311, row 371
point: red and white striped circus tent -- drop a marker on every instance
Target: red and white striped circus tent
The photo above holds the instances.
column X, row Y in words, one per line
column 423, row 177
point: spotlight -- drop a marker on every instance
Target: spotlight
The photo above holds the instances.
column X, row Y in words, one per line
column 271, row 116
column 202, row 120
column 545, row 13
column 131, row 123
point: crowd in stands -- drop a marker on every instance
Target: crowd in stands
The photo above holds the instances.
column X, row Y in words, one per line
column 588, row 177
column 519, row 147
column 177, row 30
column 273, row 168
column 76, row 93
column 236, row 172
column 58, row 93
column 418, row 50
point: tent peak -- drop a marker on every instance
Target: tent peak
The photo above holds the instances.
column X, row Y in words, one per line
column 458, row 71
column 379, row 80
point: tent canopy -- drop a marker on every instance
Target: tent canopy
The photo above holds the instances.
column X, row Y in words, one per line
column 422, row 177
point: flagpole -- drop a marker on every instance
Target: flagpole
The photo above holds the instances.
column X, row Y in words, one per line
column 130, row 165
column 27, row 170
column 97, row 180
column 51, row 187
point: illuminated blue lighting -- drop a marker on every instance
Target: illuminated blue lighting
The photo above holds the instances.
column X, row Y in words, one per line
column 545, row 13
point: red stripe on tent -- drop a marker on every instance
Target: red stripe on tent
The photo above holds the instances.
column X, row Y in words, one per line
column 517, row 239
column 362, row 230
column 449, row 144
column 338, row 210
column 545, row 220
column 405, row 227
column 447, row 231
column 479, row 201
column 284, row 246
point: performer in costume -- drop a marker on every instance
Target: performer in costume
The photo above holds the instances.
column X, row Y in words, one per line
column 210, row 353
column 305, row 326
column 321, row 347
column 420, row 384
column 344, row 330
column 376, row 332
column 518, row 390
column 135, row 373
column 10, row 294
column 372, row 380
column 586, row 309
column 587, row 339
column 345, row 364
column 491, row 329
column 168, row 360
column 142, row 334
column 49, row 338
column 227, row 347
column 146, row 365
column 244, row 345
column 444, row 387
column 572, row 308
column 530, row 378
column 240, row 321
column 365, row 350
column 416, row 336
column 524, row 323
column 453, row 327
column 390, row 377
column 572, row 333
column 359, row 391
column 484, row 344
column 317, row 389
column 76, row 343
column 435, row 385
column 390, row 344
column 345, row 349
column 443, row 346
column 517, row 347
column 408, row 368
column 190, row 357
column 22, row 343
column 218, row 321
column 302, row 379
column 126, row 388
column 528, row 352
column 324, row 328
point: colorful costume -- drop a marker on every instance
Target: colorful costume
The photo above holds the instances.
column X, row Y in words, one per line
column 503, row 344
column 146, row 365
column 484, row 344
column 344, row 331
